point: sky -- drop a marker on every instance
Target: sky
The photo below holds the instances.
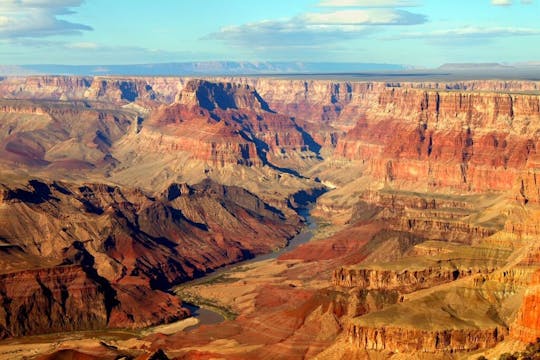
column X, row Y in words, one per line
column 420, row 33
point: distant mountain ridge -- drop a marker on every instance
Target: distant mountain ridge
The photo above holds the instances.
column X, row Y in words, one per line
column 199, row 68
column 473, row 66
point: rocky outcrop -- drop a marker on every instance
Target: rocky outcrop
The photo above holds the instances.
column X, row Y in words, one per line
column 200, row 133
column 396, row 339
column 404, row 281
column 21, row 107
column 430, row 215
column 527, row 325
column 398, row 202
column 60, row 134
column 112, row 252
column 446, row 229
column 148, row 91
column 44, row 87
column 75, row 297
column 51, row 300
column 466, row 141
column 212, row 95
column 226, row 124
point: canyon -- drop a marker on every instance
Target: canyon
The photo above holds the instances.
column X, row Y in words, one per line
column 117, row 192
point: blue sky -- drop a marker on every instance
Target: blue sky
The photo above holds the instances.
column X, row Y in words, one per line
column 414, row 32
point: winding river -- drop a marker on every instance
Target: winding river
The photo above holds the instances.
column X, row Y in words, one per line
column 203, row 315
column 207, row 316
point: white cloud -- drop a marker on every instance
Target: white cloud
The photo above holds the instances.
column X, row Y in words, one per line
column 509, row 2
column 83, row 45
column 365, row 17
column 275, row 33
column 38, row 18
column 501, row 2
column 314, row 28
column 368, row 3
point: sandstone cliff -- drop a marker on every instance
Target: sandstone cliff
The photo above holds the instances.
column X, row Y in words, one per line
column 404, row 281
column 466, row 141
column 397, row 339
column 227, row 124
column 110, row 251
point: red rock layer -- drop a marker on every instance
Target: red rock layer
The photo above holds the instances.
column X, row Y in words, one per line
column 195, row 131
column 397, row 339
column 527, row 325
column 343, row 102
column 405, row 281
column 223, row 124
column 50, row 300
column 466, row 141
column 129, row 245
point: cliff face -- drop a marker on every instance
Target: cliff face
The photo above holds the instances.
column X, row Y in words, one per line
column 108, row 252
column 466, row 141
column 405, row 281
column 211, row 95
column 148, row 91
column 527, row 325
column 226, row 124
column 199, row 133
column 397, row 339
column 314, row 100
column 51, row 300
column 75, row 297
column 46, row 87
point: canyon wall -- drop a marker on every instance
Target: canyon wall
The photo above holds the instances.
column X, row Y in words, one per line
column 91, row 256
column 405, row 280
column 444, row 173
column 226, row 124
column 452, row 140
column 401, row 340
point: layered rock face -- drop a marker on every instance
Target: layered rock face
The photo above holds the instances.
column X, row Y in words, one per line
column 465, row 141
column 405, row 281
column 435, row 185
column 147, row 91
column 412, row 340
column 51, row 300
column 413, row 143
column 527, row 325
column 69, row 135
column 111, row 251
column 227, row 124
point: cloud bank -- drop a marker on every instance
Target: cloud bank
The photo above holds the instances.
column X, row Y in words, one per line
column 509, row 2
column 38, row 18
column 368, row 3
column 314, row 27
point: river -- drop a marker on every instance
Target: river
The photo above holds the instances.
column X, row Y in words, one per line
column 207, row 316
